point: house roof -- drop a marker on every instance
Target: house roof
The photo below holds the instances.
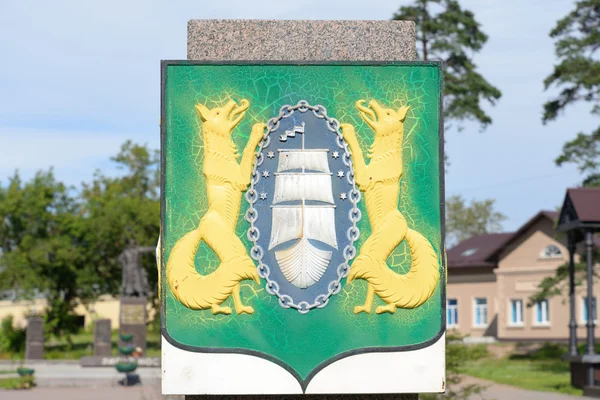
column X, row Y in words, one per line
column 550, row 214
column 477, row 250
column 587, row 203
column 483, row 250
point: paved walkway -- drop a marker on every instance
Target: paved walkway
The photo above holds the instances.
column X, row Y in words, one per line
column 145, row 392
column 152, row 392
column 504, row 392
column 73, row 375
column 61, row 381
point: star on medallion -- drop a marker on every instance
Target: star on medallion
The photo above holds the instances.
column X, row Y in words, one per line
column 340, row 174
column 271, row 154
column 263, row 196
column 335, row 154
column 343, row 196
column 265, row 174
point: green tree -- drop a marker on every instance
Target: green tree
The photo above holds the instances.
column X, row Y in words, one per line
column 577, row 75
column 449, row 33
column 64, row 245
column 465, row 220
column 40, row 250
column 12, row 339
column 118, row 210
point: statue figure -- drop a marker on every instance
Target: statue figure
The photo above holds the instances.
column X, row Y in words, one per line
column 135, row 278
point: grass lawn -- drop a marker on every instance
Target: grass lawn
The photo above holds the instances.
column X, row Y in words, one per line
column 17, row 383
column 83, row 345
column 541, row 369
column 9, row 383
column 7, row 371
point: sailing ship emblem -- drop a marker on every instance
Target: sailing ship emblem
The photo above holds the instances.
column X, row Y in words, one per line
column 303, row 208
column 303, row 264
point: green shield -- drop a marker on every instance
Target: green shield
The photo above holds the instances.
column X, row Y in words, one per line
column 303, row 343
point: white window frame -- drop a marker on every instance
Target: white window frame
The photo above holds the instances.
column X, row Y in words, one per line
column 583, row 306
column 448, row 308
column 546, row 320
column 520, row 321
column 475, row 306
column 551, row 257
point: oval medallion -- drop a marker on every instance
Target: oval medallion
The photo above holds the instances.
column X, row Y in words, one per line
column 303, row 207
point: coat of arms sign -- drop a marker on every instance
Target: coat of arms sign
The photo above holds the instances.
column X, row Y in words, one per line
column 301, row 218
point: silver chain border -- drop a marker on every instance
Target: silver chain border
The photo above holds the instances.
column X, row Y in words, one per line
column 354, row 196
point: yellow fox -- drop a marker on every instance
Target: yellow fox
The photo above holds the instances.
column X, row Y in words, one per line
column 225, row 182
column 380, row 181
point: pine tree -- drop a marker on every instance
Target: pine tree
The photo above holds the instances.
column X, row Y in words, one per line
column 452, row 34
column 578, row 75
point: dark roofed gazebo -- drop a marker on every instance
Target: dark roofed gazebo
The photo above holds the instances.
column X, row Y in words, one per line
column 580, row 210
column 580, row 219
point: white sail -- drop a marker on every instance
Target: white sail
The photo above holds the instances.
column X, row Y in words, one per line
column 319, row 224
column 314, row 160
column 309, row 186
column 303, row 264
column 288, row 224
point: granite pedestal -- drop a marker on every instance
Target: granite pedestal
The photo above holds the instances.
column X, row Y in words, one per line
column 132, row 319
column 34, row 344
column 303, row 41
column 311, row 396
column 102, row 338
column 251, row 40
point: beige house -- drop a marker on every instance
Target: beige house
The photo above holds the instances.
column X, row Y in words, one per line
column 104, row 307
column 491, row 277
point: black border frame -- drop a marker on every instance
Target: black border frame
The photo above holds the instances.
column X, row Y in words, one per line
column 443, row 275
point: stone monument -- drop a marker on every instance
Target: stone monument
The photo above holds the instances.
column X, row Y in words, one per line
column 34, row 345
column 102, row 338
column 134, row 294
column 222, row 41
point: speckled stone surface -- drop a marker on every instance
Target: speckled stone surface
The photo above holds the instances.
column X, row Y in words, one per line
column 312, row 396
column 251, row 40
column 268, row 40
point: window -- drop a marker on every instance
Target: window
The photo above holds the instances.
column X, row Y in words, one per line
column 516, row 312
column 542, row 312
column 452, row 311
column 468, row 252
column 480, row 311
column 585, row 309
column 551, row 251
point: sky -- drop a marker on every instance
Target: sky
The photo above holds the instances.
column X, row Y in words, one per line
column 78, row 78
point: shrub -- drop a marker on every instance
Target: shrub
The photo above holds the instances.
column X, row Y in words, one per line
column 478, row 351
column 549, row 351
column 12, row 340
